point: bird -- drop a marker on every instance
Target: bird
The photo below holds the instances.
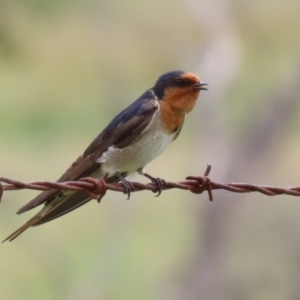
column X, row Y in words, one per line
column 135, row 137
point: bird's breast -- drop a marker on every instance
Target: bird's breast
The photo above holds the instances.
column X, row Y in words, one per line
column 152, row 142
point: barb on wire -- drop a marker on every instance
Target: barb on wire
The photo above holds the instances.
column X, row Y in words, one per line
column 97, row 188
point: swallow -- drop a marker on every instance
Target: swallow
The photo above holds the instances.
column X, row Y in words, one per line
column 135, row 137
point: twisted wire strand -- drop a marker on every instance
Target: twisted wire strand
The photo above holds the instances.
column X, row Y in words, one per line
column 97, row 188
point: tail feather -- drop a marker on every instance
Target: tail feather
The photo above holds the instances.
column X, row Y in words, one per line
column 57, row 207
column 20, row 230
column 53, row 210
column 63, row 206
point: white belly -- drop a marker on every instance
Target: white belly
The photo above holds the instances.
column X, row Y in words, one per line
column 153, row 141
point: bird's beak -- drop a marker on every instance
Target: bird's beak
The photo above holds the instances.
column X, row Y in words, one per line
column 200, row 86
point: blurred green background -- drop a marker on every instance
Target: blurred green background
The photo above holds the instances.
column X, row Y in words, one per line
column 67, row 67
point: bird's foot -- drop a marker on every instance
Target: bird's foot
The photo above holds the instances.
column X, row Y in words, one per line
column 129, row 188
column 158, row 182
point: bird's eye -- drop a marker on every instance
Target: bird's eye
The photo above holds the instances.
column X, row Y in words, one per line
column 180, row 81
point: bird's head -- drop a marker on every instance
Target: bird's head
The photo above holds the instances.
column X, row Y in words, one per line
column 180, row 89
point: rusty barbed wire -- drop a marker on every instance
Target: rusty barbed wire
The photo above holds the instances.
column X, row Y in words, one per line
column 97, row 188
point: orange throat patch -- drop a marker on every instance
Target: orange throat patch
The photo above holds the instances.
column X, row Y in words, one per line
column 175, row 105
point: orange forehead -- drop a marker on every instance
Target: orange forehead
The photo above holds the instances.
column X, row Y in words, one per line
column 190, row 77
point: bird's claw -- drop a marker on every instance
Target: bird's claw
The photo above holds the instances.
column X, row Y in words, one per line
column 129, row 188
column 159, row 183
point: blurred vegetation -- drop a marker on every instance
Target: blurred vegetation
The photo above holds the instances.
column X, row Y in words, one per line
column 67, row 67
